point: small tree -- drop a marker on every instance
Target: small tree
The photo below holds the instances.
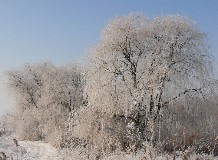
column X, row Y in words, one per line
column 26, row 84
column 140, row 66
column 46, row 96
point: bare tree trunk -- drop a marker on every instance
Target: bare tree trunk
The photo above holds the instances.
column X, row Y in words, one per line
column 148, row 152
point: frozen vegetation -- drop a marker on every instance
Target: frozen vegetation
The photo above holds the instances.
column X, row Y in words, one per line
column 146, row 91
column 38, row 150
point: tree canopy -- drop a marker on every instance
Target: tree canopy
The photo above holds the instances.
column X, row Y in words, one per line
column 142, row 64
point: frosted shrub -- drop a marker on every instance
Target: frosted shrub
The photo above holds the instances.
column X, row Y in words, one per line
column 189, row 126
column 28, row 129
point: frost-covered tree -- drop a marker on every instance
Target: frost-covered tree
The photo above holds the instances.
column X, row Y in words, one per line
column 45, row 96
column 26, row 85
column 62, row 96
column 139, row 67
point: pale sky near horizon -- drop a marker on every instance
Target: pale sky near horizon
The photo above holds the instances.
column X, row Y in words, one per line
column 62, row 31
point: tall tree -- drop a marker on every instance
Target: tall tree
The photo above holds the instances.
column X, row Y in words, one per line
column 141, row 65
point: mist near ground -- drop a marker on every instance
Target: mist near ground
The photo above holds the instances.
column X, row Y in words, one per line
column 6, row 101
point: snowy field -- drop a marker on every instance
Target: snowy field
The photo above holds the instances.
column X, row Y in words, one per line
column 28, row 150
column 38, row 150
column 33, row 150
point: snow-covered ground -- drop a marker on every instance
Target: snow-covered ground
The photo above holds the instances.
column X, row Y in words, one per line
column 38, row 150
column 34, row 150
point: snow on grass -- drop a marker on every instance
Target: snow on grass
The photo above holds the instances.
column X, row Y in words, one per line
column 38, row 150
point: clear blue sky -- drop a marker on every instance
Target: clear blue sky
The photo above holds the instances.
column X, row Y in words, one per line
column 62, row 31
